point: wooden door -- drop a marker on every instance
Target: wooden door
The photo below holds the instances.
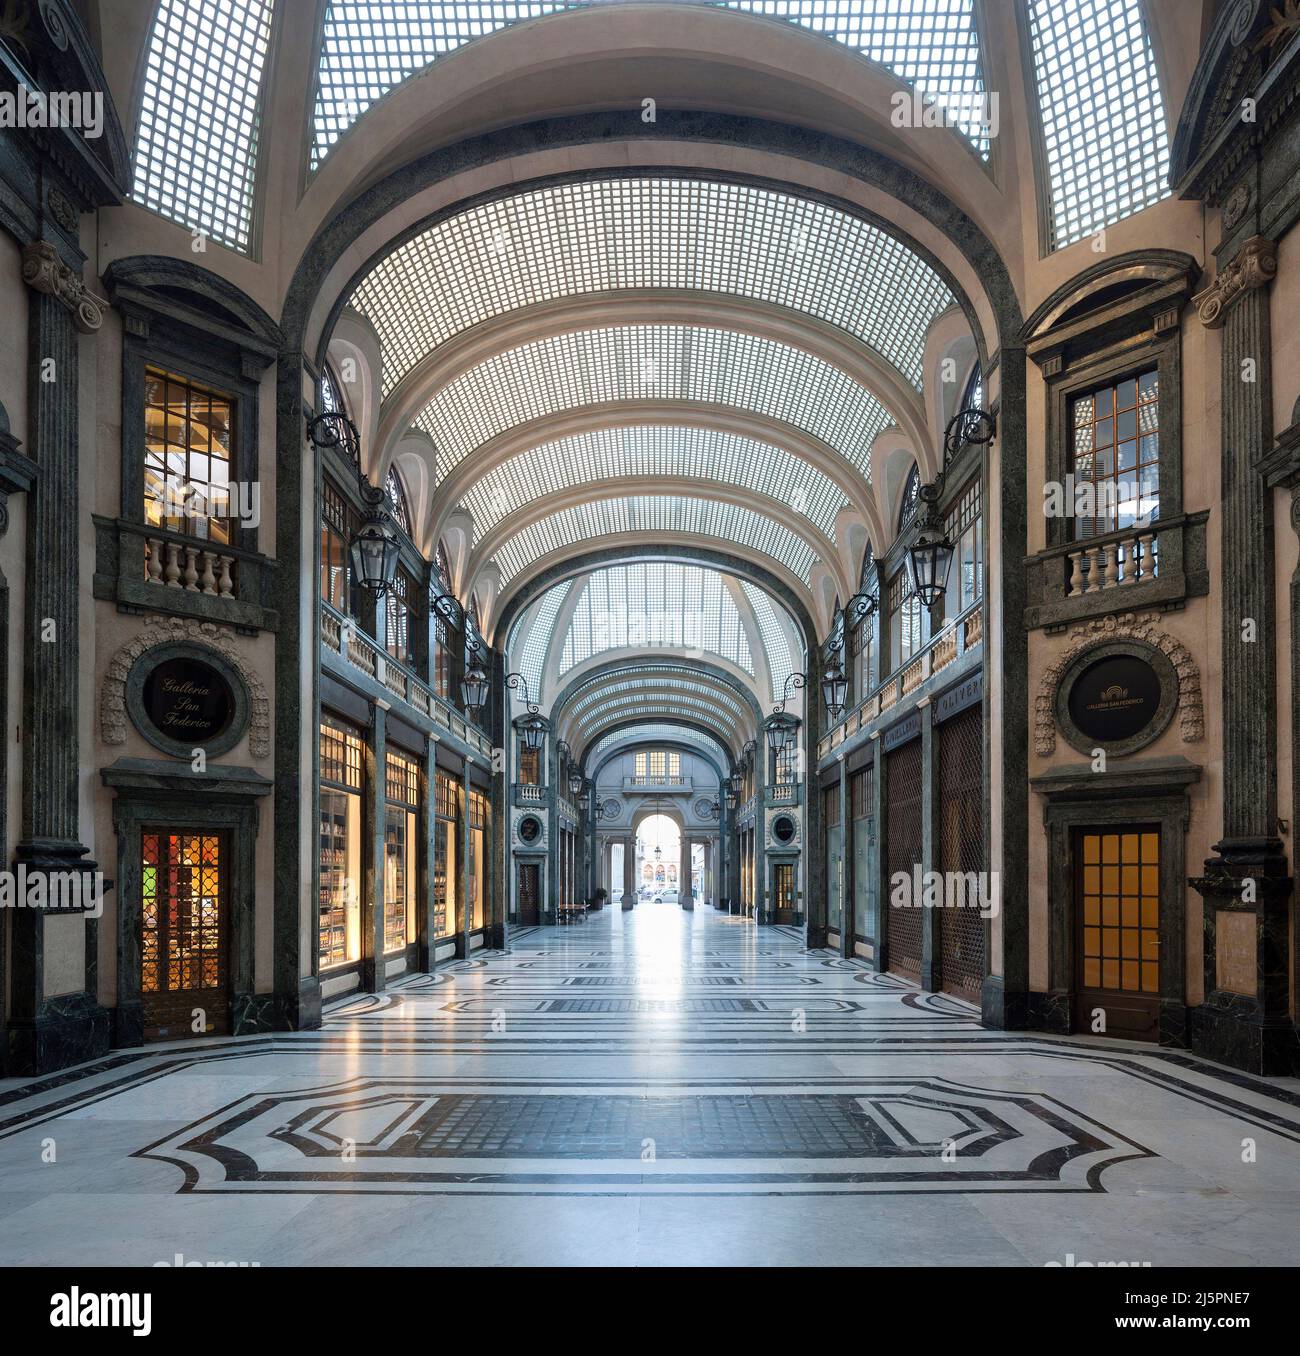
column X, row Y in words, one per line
column 1116, row 873
column 184, row 934
column 528, row 894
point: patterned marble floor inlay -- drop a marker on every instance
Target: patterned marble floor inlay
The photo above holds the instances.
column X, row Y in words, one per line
column 650, row 1088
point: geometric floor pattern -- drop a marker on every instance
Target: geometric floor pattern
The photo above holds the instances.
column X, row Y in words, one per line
column 644, row 1089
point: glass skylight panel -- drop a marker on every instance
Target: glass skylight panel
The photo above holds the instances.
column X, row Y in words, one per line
column 776, row 641
column 656, row 363
column 370, row 46
column 652, row 516
column 679, row 687
column 655, row 604
column 652, row 704
column 1103, row 118
column 619, row 453
column 532, row 657
column 196, row 143
column 606, row 234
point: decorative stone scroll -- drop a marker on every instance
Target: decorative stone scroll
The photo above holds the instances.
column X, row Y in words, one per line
column 46, row 272
column 1252, row 266
column 114, row 720
column 1094, row 634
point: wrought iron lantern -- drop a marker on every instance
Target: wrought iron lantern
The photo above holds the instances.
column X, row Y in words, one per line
column 576, row 780
column 930, row 555
column 532, row 726
column 374, row 547
column 835, row 690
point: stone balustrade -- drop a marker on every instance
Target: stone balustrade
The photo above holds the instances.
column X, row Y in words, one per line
column 1112, row 563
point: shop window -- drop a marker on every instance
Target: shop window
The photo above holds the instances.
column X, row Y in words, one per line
column 401, row 821
column 446, row 800
column 834, row 852
column 476, row 865
column 189, row 457
column 340, row 844
column 787, row 765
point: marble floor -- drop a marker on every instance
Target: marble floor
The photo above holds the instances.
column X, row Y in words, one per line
column 651, row 1088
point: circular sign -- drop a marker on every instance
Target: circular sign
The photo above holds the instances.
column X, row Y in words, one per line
column 1115, row 699
column 783, row 828
column 530, row 829
column 188, row 701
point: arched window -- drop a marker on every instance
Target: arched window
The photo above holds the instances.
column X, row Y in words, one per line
column 973, row 396
column 911, row 493
column 443, row 568
column 860, row 669
column 397, row 502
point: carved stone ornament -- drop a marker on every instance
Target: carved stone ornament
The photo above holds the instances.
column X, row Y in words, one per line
column 46, row 272
column 113, row 719
column 1122, row 626
column 1253, row 265
column 1235, row 205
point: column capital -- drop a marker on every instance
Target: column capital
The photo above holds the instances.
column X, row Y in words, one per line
column 1254, row 264
column 45, row 271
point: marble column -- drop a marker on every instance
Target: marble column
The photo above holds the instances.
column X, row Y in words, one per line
column 466, row 847
column 52, row 1032
column 1246, row 887
column 686, row 895
column 629, row 872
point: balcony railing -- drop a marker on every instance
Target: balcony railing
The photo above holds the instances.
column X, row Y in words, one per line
column 958, row 636
column 153, row 568
column 783, row 793
column 673, row 786
column 528, row 794
column 345, row 638
column 1112, row 562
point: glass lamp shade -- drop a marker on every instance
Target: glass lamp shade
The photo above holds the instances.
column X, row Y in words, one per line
column 780, row 730
column 930, row 558
column 474, row 689
column 534, row 730
column 731, row 799
column 575, row 781
column 835, row 688
column 659, row 853
column 374, row 555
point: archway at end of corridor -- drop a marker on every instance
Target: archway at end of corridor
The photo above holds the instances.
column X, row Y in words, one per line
column 658, row 868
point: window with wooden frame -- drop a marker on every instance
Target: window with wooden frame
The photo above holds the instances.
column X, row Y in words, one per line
column 189, row 457
column 1115, row 455
column 530, row 766
column 399, row 616
column 905, row 619
column 965, row 529
column 338, row 523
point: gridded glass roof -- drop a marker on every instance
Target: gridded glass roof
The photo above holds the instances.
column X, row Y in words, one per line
column 690, row 234
column 655, row 604
column 370, row 46
column 645, row 683
column 196, row 143
column 654, row 704
column 652, row 516
column 658, row 733
column 531, row 660
column 617, row 453
column 654, row 363
column 1103, row 118
column 776, row 641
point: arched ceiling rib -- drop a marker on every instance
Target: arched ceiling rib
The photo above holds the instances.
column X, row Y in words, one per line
column 614, row 454
column 655, row 516
column 367, row 49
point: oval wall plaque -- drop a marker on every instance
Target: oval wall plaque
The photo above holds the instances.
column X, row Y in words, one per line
column 1115, row 699
column 188, row 701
